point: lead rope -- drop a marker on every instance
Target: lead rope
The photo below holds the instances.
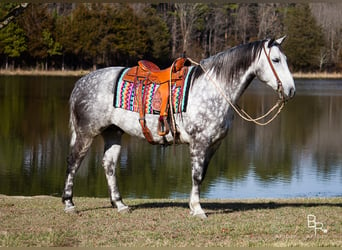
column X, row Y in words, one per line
column 243, row 114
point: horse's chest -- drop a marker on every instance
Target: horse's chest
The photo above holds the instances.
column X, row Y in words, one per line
column 209, row 120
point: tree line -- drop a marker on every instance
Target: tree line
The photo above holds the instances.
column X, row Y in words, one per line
column 89, row 36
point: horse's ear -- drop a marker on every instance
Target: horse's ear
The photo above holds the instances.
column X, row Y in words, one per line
column 281, row 40
column 270, row 43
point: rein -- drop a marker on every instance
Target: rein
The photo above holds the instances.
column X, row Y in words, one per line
column 242, row 113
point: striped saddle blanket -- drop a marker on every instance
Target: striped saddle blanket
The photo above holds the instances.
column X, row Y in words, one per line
column 126, row 94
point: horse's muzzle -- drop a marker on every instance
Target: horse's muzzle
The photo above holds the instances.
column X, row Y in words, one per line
column 286, row 97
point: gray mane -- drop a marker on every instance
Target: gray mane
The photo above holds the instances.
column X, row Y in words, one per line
column 232, row 62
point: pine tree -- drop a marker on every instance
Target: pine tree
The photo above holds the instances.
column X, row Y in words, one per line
column 305, row 38
column 158, row 37
column 12, row 42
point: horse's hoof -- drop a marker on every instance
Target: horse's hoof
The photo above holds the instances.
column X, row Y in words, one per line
column 71, row 209
column 124, row 210
column 200, row 215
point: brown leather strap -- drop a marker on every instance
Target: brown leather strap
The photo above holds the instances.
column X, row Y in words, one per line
column 146, row 131
column 141, row 94
column 164, row 92
column 280, row 85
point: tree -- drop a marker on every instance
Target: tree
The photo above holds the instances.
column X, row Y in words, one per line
column 130, row 39
column 270, row 22
column 34, row 22
column 243, row 23
column 84, row 37
column 210, row 23
column 95, row 35
column 305, row 38
column 12, row 37
column 158, row 36
column 53, row 48
column 328, row 15
column 188, row 14
column 63, row 35
column 14, row 12
column 12, row 42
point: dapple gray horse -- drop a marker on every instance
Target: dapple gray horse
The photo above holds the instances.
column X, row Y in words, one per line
column 203, row 126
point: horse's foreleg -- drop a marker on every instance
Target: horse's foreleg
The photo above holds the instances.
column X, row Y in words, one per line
column 200, row 154
column 109, row 162
column 78, row 151
column 197, row 178
column 198, row 172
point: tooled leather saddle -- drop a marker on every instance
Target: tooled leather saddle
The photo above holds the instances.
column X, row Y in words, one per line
column 146, row 73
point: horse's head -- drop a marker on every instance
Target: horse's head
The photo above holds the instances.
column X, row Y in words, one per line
column 272, row 69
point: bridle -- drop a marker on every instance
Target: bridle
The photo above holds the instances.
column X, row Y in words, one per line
column 280, row 89
column 243, row 114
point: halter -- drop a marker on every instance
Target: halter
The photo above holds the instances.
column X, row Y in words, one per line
column 280, row 88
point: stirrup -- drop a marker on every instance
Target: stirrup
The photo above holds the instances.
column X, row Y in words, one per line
column 163, row 126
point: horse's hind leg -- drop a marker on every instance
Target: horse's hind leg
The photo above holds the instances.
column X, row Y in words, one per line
column 79, row 148
column 112, row 140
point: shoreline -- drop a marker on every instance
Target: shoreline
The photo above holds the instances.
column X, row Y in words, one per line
column 34, row 72
column 185, row 200
column 318, row 75
column 311, row 75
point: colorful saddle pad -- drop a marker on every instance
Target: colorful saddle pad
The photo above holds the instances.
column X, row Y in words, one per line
column 125, row 94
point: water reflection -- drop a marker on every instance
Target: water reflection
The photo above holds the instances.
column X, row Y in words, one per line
column 298, row 154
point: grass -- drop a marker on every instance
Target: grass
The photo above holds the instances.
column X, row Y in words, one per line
column 41, row 221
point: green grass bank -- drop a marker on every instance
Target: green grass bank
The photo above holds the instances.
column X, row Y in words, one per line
column 41, row 221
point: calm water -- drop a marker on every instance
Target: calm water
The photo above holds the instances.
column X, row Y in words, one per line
column 298, row 155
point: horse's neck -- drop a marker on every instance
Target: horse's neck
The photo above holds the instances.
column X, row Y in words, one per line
column 232, row 81
column 242, row 84
column 238, row 85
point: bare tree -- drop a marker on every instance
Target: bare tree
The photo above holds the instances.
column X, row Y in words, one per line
column 187, row 13
column 269, row 21
column 216, row 30
column 328, row 15
column 323, row 58
column 13, row 14
column 174, row 36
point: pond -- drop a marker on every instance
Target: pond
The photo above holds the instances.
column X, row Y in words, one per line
column 298, row 155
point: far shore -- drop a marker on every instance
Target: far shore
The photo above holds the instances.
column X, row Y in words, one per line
column 34, row 72
column 318, row 75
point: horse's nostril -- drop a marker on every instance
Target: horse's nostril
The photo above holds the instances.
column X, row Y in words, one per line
column 292, row 92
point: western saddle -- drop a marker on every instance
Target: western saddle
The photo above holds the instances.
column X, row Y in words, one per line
column 147, row 73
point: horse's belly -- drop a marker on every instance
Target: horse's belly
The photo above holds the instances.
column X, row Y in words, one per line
column 128, row 121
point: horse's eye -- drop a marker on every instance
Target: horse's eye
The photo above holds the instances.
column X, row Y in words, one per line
column 276, row 60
